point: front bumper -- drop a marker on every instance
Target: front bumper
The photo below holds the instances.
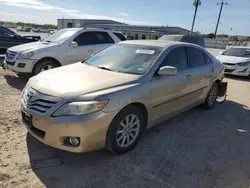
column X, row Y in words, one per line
column 91, row 129
column 237, row 70
column 13, row 66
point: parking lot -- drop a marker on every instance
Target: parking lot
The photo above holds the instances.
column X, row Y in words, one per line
column 200, row 148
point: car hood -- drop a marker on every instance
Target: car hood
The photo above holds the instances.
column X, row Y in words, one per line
column 31, row 46
column 78, row 79
column 232, row 59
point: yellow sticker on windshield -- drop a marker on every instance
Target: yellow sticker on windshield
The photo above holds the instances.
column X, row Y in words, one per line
column 145, row 52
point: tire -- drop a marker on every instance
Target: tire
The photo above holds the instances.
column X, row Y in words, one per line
column 119, row 144
column 211, row 96
column 40, row 66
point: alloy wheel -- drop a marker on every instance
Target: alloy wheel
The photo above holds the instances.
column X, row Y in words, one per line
column 128, row 130
column 212, row 95
column 46, row 67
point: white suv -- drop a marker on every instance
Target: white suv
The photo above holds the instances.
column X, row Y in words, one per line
column 64, row 47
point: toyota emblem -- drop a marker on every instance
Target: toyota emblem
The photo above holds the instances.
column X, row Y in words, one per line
column 30, row 95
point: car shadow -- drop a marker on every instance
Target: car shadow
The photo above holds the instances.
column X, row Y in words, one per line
column 199, row 148
column 16, row 82
column 240, row 78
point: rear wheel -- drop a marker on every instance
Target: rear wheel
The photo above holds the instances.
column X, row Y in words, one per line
column 212, row 96
column 125, row 130
column 44, row 65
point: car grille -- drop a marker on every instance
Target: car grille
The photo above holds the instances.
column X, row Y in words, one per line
column 230, row 64
column 37, row 101
column 229, row 70
column 10, row 55
column 40, row 105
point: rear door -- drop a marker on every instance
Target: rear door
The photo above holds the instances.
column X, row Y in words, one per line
column 201, row 70
column 89, row 42
column 171, row 93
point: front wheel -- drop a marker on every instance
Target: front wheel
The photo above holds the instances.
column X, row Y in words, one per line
column 44, row 65
column 212, row 96
column 125, row 130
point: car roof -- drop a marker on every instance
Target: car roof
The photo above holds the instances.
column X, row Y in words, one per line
column 73, row 29
column 156, row 43
column 91, row 29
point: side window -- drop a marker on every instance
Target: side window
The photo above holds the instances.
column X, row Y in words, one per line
column 91, row 38
column 176, row 58
column 86, row 38
column 120, row 36
column 5, row 33
column 103, row 38
column 208, row 59
column 195, row 57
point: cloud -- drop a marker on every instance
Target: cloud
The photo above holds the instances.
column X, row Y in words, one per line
column 14, row 14
column 40, row 5
column 122, row 14
column 91, row 16
column 37, row 4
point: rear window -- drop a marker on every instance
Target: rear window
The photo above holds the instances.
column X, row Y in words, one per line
column 208, row 59
column 171, row 37
column 120, row 36
column 196, row 57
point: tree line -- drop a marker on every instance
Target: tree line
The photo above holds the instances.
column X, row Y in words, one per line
column 22, row 24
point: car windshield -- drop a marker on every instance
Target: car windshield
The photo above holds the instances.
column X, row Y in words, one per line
column 59, row 36
column 238, row 52
column 125, row 58
column 171, row 37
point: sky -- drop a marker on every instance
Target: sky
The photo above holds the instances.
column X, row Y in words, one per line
column 177, row 13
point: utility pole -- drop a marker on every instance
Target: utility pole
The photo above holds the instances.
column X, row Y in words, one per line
column 196, row 4
column 218, row 21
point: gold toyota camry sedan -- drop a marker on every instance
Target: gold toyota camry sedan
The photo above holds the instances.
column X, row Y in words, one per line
column 108, row 100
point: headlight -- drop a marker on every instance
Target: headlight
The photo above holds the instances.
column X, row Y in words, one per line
column 26, row 55
column 243, row 63
column 80, row 108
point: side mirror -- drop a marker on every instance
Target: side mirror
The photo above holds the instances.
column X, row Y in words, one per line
column 167, row 71
column 17, row 36
column 221, row 53
column 73, row 44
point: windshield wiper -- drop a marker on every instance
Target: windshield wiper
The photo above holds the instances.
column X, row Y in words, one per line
column 105, row 68
column 47, row 41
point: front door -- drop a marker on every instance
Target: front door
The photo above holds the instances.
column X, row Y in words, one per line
column 89, row 43
column 170, row 93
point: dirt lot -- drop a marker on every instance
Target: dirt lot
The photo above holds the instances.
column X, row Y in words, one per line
column 196, row 149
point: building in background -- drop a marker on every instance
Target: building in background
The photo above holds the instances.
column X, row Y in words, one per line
column 132, row 31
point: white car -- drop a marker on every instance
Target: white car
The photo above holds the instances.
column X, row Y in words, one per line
column 236, row 61
column 64, row 47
